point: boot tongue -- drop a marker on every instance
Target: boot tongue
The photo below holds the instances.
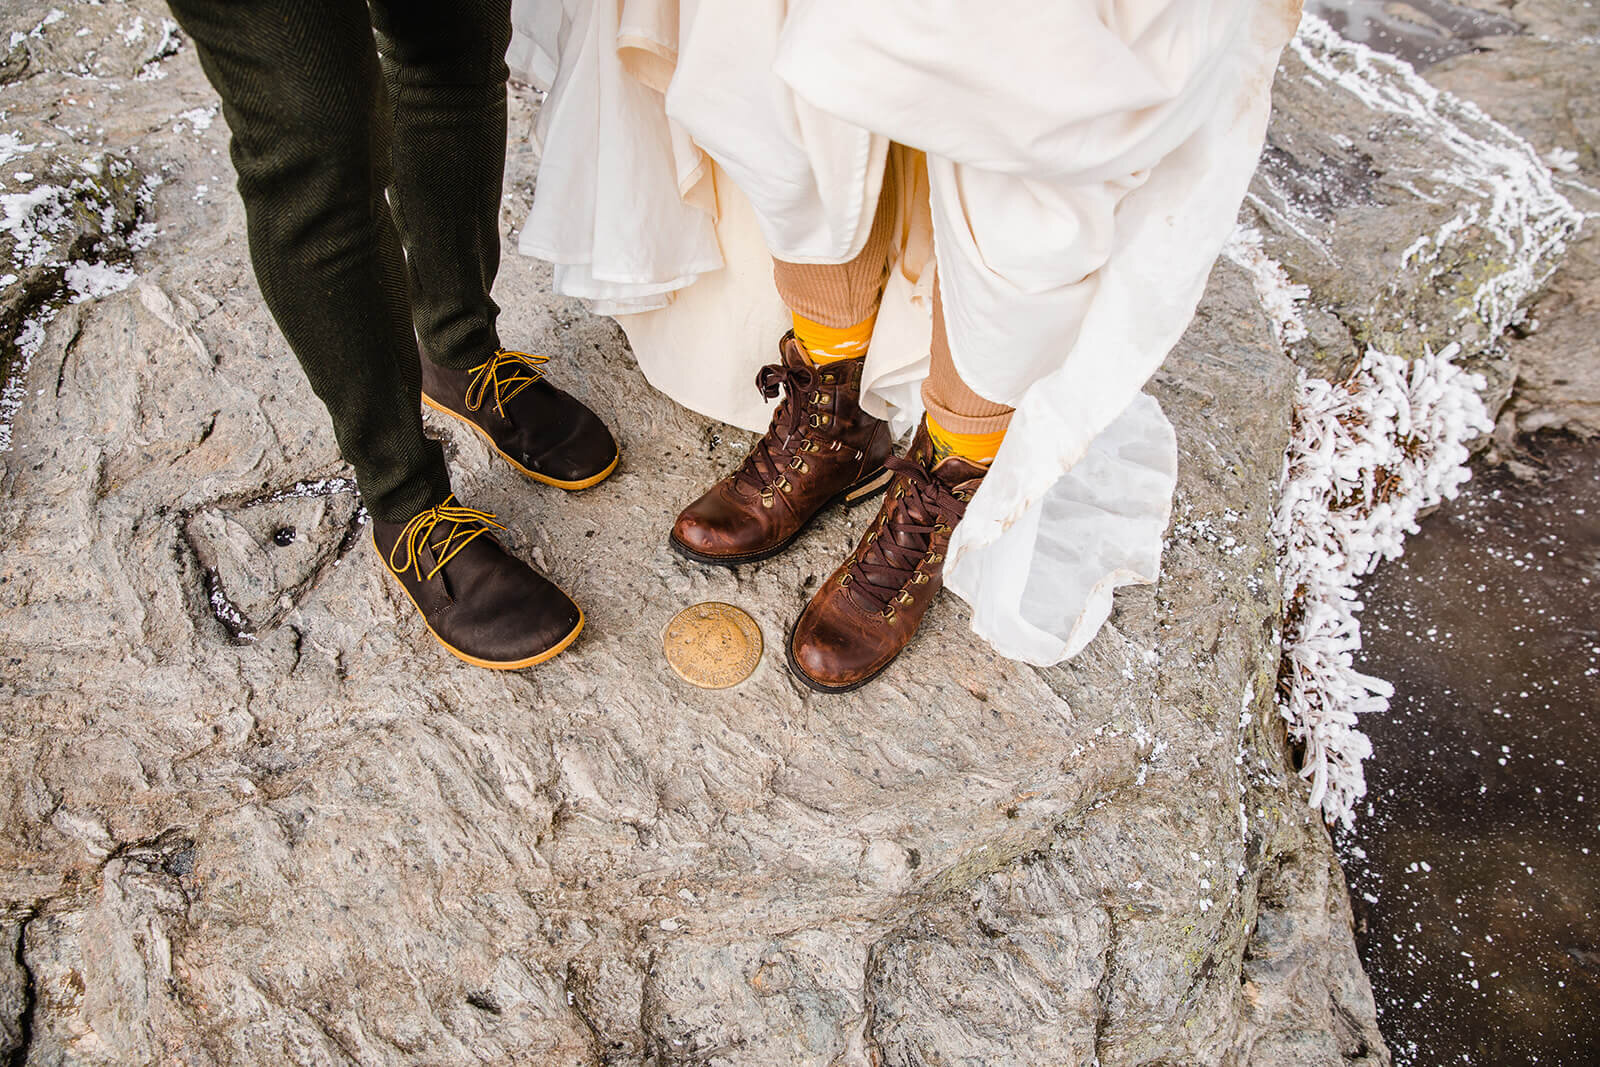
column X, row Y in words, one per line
column 953, row 470
column 793, row 353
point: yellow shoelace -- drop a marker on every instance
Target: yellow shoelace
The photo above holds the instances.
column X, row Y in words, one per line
column 494, row 375
column 465, row 524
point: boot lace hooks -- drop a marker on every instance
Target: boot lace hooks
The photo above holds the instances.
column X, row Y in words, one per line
column 503, row 377
column 464, row 525
column 770, row 455
column 920, row 507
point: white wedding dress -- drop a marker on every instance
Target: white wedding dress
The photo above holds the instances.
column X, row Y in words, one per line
column 1078, row 166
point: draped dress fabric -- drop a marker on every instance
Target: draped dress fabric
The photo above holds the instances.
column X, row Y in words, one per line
column 1072, row 171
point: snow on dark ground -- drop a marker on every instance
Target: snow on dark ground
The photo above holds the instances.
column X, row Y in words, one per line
column 1475, row 865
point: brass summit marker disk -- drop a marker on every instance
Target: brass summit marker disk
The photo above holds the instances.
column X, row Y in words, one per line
column 712, row 645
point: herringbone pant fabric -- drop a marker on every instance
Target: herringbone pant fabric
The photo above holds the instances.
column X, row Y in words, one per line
column 343, row 158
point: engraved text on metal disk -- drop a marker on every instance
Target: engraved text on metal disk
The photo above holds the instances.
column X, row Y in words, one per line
column 712, row 645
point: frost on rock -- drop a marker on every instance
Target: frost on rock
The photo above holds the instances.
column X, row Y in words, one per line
column 67, row 239
column 1366, row 456
column 1279, row 296
column 1422, row 245
column 1506, row 189
column 91, row 281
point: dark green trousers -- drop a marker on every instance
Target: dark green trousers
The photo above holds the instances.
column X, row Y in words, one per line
column 358, row 131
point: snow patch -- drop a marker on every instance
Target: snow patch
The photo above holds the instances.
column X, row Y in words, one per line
column 11, row 147
column 29, row 339
column 31, row 218
column 91, row 281
column 198, row 119
column 171, row 40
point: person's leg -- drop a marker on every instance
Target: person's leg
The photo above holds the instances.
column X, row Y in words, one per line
column 835, row 305
column 821, row 447
column 869, row 609
column 301, row 92
column 445, row 70
column 960, row 422
column 304, row 100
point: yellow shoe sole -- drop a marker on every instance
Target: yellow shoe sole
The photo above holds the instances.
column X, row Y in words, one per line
column 581, row 483
column 491, row 664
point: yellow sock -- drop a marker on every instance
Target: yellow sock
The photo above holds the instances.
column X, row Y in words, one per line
column 977, row 447
column 828, row 344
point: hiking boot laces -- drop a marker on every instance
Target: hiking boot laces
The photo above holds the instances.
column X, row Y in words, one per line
column 920, row 507
column 768, row 458
column 465, row 524
column 503, row 377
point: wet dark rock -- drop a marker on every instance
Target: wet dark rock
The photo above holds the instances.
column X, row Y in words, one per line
column 1475, row 870
column 1422, row 32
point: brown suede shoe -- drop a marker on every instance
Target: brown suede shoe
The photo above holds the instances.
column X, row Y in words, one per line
column 482, row 603
column 820, row 448
column 869, row 609
column 540, row 430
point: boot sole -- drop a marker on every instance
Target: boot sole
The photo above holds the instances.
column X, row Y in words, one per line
column 490, row 664
column 857, row 494
column 819, row 687
column 581, row 483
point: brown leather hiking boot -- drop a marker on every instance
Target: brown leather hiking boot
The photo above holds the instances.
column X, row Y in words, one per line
column 869, row 609
column 820, row 448
column 542, row 431
column 482, row 603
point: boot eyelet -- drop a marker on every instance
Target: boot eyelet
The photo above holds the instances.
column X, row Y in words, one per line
column 961, row 494
column 935, row 557
column 783, row 483
column 888, row 614
column 827, row 379
column 844, row 579
column 904, row 597
column 940, row 528
column 920, row 579
column 818, row 419
column 799, row 464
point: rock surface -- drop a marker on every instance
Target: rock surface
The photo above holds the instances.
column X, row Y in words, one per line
column 253, row 814
column 1541, row 84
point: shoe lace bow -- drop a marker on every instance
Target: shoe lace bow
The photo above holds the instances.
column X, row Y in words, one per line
column 768, row 457
column 503, row 376
column 464, row 524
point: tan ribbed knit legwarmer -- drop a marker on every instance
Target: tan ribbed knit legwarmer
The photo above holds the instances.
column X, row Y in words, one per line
column 954, row 406
column 842, row 294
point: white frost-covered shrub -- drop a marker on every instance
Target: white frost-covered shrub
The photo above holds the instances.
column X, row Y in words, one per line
column 1367, row 455
column 1371, row 452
